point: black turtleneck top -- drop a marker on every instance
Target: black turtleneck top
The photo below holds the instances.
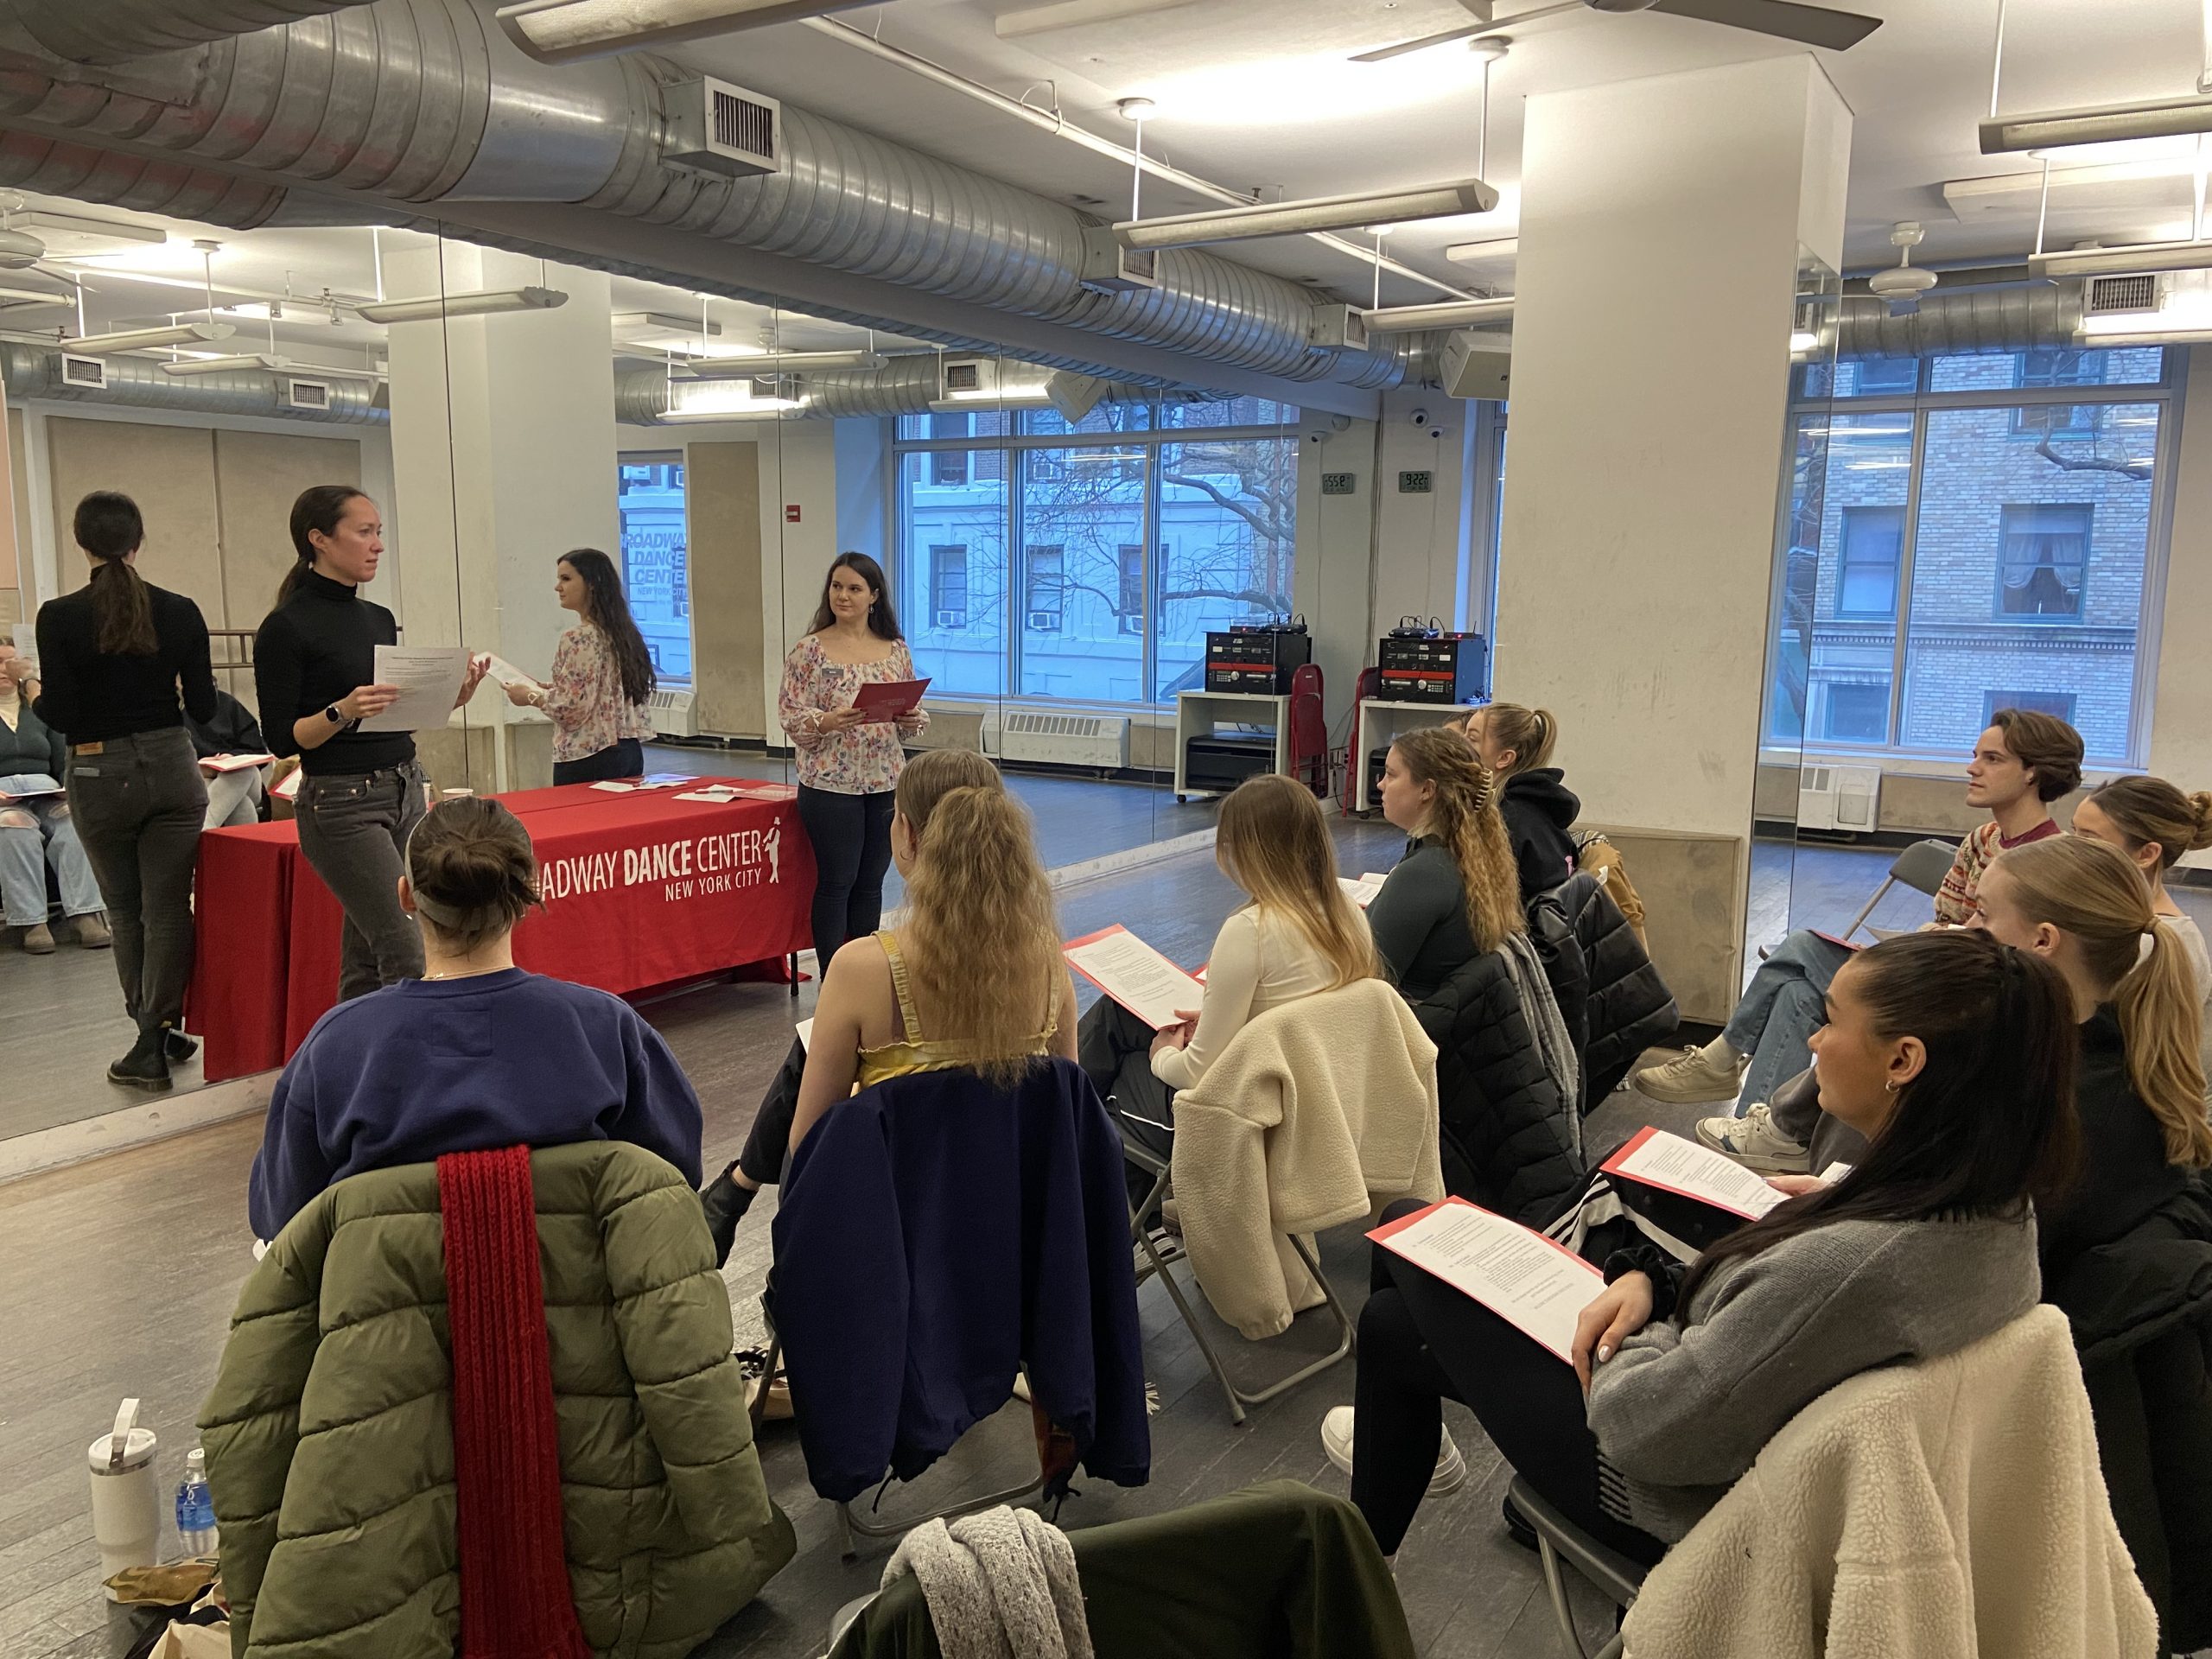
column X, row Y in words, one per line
column 314, row 649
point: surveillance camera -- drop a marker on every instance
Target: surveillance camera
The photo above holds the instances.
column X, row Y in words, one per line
column 1421, row 417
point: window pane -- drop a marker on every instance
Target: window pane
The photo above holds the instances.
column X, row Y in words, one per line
column 983, row 422
column 1228, row 528
column 1839, row 558
column 952, row 573
column 2128, row 365
column 2059, row 703
column 2028, row 567
column 1856, row 713
column 649, row 497
column 1861, row 377
column 1229, row 411
column 1106, row 418
column 1078, row 509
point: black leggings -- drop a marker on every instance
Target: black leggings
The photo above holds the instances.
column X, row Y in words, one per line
column 770, row 1139
column 623, row 759
column 1422, row 1343
column 851, row 835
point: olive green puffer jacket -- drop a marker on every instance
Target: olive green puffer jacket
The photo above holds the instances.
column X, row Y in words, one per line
column 329, row 1432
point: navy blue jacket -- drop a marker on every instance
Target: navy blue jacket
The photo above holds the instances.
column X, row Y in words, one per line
column 934, row 1235
column 430, row 1066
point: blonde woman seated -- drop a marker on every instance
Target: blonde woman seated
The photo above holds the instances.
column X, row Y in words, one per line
column 972, row 978
column 2154, row 824
column 1297, row 935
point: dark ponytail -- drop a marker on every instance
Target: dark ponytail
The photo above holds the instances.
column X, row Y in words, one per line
column 319, row 508
column 473, row 870
column 1988, row 1125
column 109, row 528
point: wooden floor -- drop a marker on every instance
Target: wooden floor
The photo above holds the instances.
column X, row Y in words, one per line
column 120, row 1275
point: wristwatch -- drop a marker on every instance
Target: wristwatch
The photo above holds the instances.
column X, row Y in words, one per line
column 332, row 714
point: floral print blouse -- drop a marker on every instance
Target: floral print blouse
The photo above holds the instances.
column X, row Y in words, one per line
column 861, row 760
column 584, row 701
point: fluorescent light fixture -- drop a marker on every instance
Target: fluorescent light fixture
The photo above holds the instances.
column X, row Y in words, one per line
column 1452, row 313
column 58, row 226
column 662, row 330
column 1073, row 14
column 2136, row 261
column 1304, row 218
column 570, row 31
column 139, row 340
column 1483, row 253
column 462, row 305
column 29, row 296
column 222, row 365
column 719, row 400
column 760, row 409
column 2097, row 124
column 1803, row 341
column 775, row 363
column 1010, row 397
column 271, row 363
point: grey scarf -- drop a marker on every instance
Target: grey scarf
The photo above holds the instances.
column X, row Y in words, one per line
column 1001, row 1585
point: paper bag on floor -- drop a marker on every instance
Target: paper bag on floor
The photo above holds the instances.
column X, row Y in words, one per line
column 195, row 1642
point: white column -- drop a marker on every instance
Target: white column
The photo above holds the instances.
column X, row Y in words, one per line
column 1661, row 224
column 2181, row 711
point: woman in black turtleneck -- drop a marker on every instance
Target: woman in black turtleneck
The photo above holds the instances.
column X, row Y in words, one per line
column 314, row 673
column 117, row 655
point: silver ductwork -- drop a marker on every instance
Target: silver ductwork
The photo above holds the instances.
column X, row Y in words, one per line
column 1991, row 320
column 34, row 373
column 111, row 31
column 419, row 101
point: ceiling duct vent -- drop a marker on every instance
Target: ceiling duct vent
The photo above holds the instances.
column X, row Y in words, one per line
column 1110, row 268
column 91, row 372
column 308, row 394
column 1336, row 329
column 719, row 128
column 969, row 378
column 2105, row 296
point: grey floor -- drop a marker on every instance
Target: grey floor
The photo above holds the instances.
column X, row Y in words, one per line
column 121, row 1272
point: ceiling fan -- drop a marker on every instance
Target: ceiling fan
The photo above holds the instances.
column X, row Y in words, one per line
column 1785, row 20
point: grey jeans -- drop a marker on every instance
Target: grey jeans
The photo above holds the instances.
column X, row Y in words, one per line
column 33, row 834
column 354, row 829
column 138, row 802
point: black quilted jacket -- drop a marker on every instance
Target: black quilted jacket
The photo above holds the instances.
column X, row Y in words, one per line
column 1609, row 992
column 1508, row 1138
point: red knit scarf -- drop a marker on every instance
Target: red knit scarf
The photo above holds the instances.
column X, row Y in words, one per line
column 515, row 1600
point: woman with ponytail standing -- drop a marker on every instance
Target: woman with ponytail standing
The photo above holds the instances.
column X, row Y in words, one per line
column 1539, row 809
column 602, row 675
column 314, row 673
column 116, row 656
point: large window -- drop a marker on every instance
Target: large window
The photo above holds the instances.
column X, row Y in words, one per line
column 1980, row 544
column 649, row 496
column 1133, row 532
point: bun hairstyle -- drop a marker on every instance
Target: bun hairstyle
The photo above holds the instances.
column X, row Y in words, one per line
column 1465, row 817
column 882, row 618
column 1987, row 1124
column 933, row 774
column 319, row 508
column 2046, row 745
column 2145, row 809
column 2093, row 893
column 108, row 526
column 1531, row 733
column 472, row 870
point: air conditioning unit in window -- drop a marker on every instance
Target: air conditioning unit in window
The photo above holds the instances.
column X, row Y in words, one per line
column 952, row 618
column 719, row 128
column 674, row 713
column 1044, row 621
column 1839, row 798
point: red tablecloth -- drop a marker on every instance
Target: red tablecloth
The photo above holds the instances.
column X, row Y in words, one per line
column 640, row 891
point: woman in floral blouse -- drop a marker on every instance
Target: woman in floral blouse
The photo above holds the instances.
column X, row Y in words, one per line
column 602, row 675
column 847, row 766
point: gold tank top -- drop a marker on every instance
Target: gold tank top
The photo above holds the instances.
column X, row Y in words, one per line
column 918, row 1052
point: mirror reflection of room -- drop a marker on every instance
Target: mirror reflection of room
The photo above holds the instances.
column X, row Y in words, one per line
column 834, row 667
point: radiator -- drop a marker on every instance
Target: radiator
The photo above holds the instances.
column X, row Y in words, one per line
column 1064, row 739
column 675, row 713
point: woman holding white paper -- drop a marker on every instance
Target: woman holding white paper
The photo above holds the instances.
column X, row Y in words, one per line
column 602, row 677
column 849, row 765
column 363, row 791
column 1297, row 935
column 1955, row 1055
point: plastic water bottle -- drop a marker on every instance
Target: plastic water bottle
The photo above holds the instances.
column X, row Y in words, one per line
column 196, row 1506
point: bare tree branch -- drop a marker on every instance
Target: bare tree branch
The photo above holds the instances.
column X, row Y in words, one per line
column 2136, row 468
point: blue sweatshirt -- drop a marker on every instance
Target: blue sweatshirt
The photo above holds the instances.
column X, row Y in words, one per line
column 425, row 1067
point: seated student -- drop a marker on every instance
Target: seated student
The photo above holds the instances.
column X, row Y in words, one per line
column 2154, row 824
column 1539, row 809
column 925, row 780
column 36, row 831
column 1296, row 935
column 1455, row 895
column 972, row 978
column 1954, row 1055
column 2024, row 761
column 476, row 1054
column 232, row 797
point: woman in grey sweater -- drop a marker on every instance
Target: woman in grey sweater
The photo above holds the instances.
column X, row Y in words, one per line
column 1955, row 1055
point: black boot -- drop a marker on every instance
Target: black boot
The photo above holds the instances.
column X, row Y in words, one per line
column 145, row 1066
column 726, row 1200
column 177, row 1047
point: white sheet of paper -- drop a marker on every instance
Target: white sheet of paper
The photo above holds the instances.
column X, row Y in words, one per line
column 428, row 680
column 1668, row 1161
column 806, row 1029
column 1835, row 1172
column 1519, row 1274
column 714, row 795
column 507, row 674
column 290, row 789
column 1134, row 974
column 25, row 635
column 220, row 764
column 614, row 788
column 1362, row 891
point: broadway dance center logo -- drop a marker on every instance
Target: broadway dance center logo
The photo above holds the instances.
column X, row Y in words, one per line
column 686, row 868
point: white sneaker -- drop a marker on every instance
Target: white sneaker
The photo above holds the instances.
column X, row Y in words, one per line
column 1753, row 1141
column 1691, row 1079
column 1336, row 1440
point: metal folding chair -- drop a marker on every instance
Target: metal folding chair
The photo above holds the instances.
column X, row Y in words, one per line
column 1618, row 1579
column 1142, row 1218
column 1921, row 866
